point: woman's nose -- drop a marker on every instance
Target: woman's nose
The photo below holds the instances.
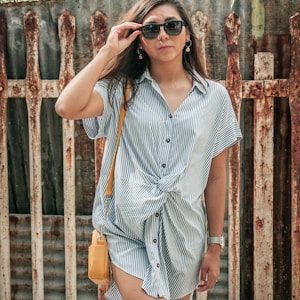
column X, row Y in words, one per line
column 162, row 33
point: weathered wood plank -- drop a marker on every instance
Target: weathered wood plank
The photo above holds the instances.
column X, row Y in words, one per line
column 5, row 290
column 295, row 184
column 263, row 182
column 34, row 101
column 234, row 88
column 66, row 27
column 98, row 30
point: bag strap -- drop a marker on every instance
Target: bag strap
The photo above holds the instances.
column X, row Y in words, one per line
column 108, row 191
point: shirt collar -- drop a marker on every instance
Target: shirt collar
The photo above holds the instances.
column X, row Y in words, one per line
column 201, row 84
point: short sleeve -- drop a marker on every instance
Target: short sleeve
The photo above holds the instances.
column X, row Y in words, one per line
column 96, row 127
column 229, row 131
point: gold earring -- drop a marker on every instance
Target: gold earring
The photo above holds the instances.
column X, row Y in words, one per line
column 188, row 46
column 140, row 54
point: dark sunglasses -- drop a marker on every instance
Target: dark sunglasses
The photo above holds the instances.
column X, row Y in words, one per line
column 173, row 28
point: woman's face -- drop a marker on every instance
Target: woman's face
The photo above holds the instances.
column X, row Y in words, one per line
column 164, row 47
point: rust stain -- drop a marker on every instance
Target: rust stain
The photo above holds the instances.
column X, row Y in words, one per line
column 17, row 91
column 98, row 30
column 276, row 88
column 257, row 90
column 68, row 23
column 272, row 90
column 67, row 36
column 33, row 80
column 259, row 223
column 3, row 78
column 232, row 32
column 69, row 155
column 267, row 269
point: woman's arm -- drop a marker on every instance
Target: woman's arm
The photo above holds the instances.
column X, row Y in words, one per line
column 215, row 199
column 215, row 195
column 78, row 100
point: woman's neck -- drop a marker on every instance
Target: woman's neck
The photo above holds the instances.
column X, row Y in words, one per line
column 163, row 73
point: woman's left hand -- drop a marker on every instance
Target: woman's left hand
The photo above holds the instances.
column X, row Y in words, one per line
column 210, row 268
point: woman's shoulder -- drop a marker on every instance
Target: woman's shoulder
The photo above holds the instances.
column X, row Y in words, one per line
column 216, row 88
column 210, row 87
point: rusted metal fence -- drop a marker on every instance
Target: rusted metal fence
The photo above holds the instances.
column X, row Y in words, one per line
column 263, row 89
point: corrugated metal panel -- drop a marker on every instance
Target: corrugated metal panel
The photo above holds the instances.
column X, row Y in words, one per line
column 49, row 48
column 54, row 264
column 54, row 257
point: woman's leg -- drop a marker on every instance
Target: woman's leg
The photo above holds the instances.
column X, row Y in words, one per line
column 130, row 287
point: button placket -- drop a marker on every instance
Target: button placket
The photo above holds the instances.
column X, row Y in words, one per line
column 166, row 146
column 155, row 246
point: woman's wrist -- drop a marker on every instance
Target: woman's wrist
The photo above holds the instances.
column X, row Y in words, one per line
column 214, row 248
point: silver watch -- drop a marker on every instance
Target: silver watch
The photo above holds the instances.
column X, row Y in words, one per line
column 216, row 240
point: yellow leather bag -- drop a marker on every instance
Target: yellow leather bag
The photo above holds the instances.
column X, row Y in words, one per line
column 98, row 258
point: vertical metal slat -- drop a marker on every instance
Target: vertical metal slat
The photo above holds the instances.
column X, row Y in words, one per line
column 34, row 101
column 4, row 200
column 200, row 25
column 66, row 23
column 98, row 30
column 294, row 102
column 263, row 182
column 234, row 87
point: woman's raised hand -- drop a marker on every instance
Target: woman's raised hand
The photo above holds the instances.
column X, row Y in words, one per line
column 118, row 39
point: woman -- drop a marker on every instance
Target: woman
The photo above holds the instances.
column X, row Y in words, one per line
column 171, row 163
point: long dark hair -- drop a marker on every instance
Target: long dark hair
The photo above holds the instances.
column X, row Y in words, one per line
column 127, row 65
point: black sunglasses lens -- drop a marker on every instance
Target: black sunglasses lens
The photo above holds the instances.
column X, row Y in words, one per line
column 172, row 28
column 151, row 31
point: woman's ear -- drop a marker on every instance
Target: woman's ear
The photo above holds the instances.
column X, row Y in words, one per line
column 188, row 36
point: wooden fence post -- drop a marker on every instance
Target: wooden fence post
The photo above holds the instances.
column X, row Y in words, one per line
column 34, row 102
column 234, row 87
column 5, row 291
column 98, row 29
column 263, row 181
column 294, row 102
column 66, row 23
column 200, row 23
column 200, row 20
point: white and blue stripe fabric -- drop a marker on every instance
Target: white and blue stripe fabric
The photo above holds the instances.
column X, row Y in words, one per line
column 156, row 224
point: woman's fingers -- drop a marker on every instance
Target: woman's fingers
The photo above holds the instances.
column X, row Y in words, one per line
column 118, row 39
column 208, row 283
column 209, row 272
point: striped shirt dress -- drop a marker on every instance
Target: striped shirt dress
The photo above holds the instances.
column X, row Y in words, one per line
column 156, row 221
